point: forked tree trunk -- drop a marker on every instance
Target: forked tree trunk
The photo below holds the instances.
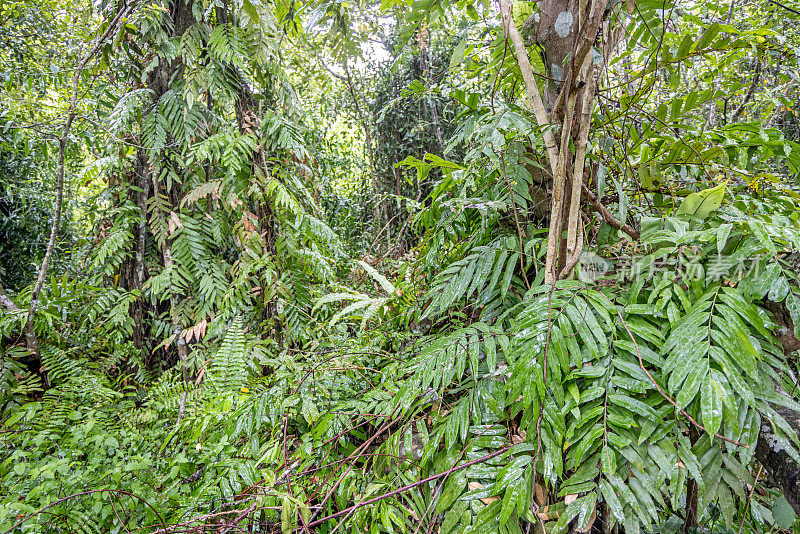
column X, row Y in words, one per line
column 567, row 32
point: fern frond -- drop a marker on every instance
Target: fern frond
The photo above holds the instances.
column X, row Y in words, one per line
column 228, row 369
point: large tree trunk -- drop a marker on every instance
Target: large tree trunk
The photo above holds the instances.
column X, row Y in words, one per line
column 148, row 173
column 249, row 111
column 134, row 269
column 782, row 470
column 249, row 121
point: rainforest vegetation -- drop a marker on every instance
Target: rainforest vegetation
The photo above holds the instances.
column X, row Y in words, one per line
column 435, row 266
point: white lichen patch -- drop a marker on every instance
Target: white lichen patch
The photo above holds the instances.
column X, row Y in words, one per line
column 563, row 23
column 597, row 57
column 558, row 71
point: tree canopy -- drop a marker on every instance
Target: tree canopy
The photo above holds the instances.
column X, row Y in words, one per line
column 401, row 266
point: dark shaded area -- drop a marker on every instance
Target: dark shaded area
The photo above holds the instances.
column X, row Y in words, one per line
column 25, row 218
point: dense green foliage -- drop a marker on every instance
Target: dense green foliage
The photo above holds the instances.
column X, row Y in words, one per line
column 298, row 282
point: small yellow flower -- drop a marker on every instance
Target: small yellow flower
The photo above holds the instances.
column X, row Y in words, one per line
column 245, row 390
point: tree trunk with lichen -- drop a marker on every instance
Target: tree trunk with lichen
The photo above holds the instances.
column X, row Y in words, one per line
column 567, row 33
column 782, row 469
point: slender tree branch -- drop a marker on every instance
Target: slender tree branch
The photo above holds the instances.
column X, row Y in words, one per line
column 557, row 201
column 88, row 492
column 532, row 89
column 580, row 160
column 749, row 497
column 575, row 255
column 407, row 487
column 353, row 455
column 516, row 222
column 607, row 217
column 30, row 334
column 712, row 112
column 750, row 92
column 787, row 8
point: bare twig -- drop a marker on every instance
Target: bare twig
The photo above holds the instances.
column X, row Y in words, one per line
column 516, row 222
column 353, row 455
column 789, row 9
column 238, row 518
column 407, row 487
column 607, row 217
column 750, row 91
column 750, row 496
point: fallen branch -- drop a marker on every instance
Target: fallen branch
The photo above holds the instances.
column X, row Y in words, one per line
column 81, row 494
column 353, row 455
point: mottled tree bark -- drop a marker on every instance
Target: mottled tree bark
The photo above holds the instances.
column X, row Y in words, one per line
column 782, row 469
column 6, row 302
column 248, row 117
column 161, row 80
column 249, row 121
column 134, row 268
